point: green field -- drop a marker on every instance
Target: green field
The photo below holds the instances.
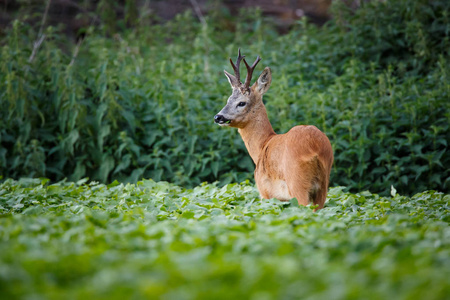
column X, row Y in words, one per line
column 78, row 240
column 135, row 98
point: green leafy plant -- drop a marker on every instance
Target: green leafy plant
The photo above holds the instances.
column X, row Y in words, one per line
column 159, row 240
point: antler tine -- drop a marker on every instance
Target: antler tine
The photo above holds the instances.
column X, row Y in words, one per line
column 250, row 71
column 236, row 67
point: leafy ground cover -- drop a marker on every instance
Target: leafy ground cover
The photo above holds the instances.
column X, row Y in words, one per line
column 130, row 103
column 78, row 240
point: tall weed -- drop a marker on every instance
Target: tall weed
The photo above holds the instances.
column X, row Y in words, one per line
column 139, row 102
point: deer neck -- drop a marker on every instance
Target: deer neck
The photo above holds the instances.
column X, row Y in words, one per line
column 256, row 133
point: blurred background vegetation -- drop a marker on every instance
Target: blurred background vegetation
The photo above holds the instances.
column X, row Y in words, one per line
column 128, row 89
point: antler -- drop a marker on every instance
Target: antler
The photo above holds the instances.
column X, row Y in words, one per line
column 236, row 67
column 237, row 74
column 250, row 72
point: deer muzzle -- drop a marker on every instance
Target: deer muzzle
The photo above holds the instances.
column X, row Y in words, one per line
column 221, row 120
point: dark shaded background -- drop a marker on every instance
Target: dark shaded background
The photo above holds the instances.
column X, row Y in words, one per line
column 79, row 14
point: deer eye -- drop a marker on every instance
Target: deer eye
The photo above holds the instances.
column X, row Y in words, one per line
column 241, row 104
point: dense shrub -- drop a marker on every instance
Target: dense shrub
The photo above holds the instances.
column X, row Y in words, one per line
column 140, row 103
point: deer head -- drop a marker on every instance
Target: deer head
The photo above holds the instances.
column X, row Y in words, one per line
column 244, row 101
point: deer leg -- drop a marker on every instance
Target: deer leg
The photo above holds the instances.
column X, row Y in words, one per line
column 306, row 185
column 302, row 197
column 299, row 188
column 321, row 196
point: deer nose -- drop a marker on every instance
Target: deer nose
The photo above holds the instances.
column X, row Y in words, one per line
column 219, row 119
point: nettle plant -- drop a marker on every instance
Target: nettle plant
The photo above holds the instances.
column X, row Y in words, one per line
column 374, row 80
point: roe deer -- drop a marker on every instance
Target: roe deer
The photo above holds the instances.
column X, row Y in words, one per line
column 296, row 164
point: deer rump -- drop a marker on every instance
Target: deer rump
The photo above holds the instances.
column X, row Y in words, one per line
column 295, row 165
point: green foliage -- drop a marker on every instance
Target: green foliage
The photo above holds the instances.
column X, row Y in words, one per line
column 134, row 103
column 158, row 240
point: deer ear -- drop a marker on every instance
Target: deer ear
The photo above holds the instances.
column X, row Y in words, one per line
column 231, row 79
column 263, row 83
